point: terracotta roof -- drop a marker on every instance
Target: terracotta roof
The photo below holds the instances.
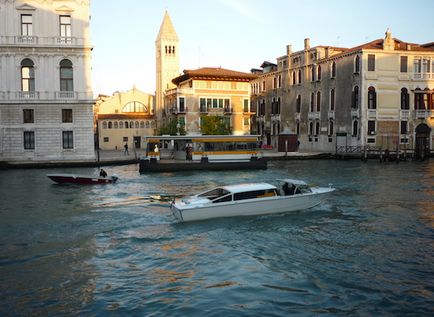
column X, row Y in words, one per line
column 214, row 74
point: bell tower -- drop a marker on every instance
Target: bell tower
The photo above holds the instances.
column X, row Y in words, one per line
column 167, row 61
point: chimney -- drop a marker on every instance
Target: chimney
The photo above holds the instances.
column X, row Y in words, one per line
column 307, row 44
column 288, row 49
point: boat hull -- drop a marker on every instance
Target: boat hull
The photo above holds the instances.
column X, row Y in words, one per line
column 81, row 179
column 250, row 207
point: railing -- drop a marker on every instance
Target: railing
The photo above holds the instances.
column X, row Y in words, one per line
column 313, row 115
column 404, row 114
column 43, row 41
column 372, row 113
column 227, row 110
column 297, row 116
column 45, row 95
column 355, row 113
column 331, row 114
column 422, row 113
column 203, row 109
column 422, row 76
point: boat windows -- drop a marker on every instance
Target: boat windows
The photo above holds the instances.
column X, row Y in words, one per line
column 223, row 199
column 255, row 194
column 214, row 193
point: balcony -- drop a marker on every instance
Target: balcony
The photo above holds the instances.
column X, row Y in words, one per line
column 297, row 116
column 331, row 114
column 22, row 40
column 372, row 113
column 355, row 113
column 423, row 114
column 313, row 115
column 203, row 109
column 228, row 110
column 404, row 114
column 51, row 96
column 423, row 76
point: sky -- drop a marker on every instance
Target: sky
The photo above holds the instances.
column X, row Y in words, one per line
column 238, row 34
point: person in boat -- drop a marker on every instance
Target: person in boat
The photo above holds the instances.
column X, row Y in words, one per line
column 288, row 190
column 102, row 173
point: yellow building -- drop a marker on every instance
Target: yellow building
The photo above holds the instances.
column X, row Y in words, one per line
column 211, row 92
column 125, row 118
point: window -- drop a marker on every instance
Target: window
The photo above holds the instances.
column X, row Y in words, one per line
column 104, row 125
column 372, row 98
column 66, row 76
column 331, row 127
column 403, row 128
column 417, row 65
column 27, row 75
column 355, row 100
column 29, row 140
column 294, row 78
column 246, row 105
column 404, row 61
column 310, row 128
column 312, row 101
column 405, row 98
column 181, row 104
column 125, row 139
column 66, row 115
column 246, row 121
column 312, row 73
column 68, row 139
column 355, row 128
column 317, row 128
column 135, row 106
column 110, row 125
column 332, row 100
column 106, row 139
column 333, row 70
column 371, row 127
column 371, row 62
column 28, row 116
column 299, row 76
column 297, row 127
column 318, row 101
column 318, row 76
column 26, row 25
column 357, row 64
column 298, row 104
column 65, row 28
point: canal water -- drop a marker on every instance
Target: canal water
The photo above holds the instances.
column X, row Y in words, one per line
column 116, row 250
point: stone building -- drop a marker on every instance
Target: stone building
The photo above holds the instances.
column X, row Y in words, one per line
column 45, row 81
column 379, row 94
column 125, row 118
column 211, row 92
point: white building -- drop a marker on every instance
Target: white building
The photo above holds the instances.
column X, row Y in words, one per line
column 45, row 81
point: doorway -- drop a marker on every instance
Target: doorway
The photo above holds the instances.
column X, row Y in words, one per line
column 422, row 145
column 137, row 142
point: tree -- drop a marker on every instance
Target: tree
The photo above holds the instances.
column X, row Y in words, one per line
column 171, row 128
column 215, row 125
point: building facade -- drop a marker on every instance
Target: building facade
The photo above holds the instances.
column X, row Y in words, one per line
column 167, row 62
column 125, row 118
column 45, row 81
column 378, row 94
column 218, row 92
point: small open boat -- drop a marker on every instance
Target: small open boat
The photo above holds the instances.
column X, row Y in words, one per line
column 81, row 179
column 249, row 200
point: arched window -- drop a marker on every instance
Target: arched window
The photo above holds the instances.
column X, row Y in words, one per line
column 142, row 124
column 298, row 104
column 312, row 73
column 27, row 75
column 317, row 128
column 405, row 98
column 127, row 125
column 115, row 124
column 297, row 127
column 332, row 100
column 110, row 125
column 357, row 64
column 355, row 128
column 66, row 76
column 331, row 128
column 312, row 101
column 318, row 75
column 121, row 124
column 333, row 72
column 104, row 125
column 299, row 76
column 131, row 124
column 135, row 106
column 136, row 124
column 355, row 99
column 294, row 78
column 147, row 124
column 310, row 128
column 372, row 98
column 318, row 101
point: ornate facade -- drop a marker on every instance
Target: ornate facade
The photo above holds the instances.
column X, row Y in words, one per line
column 378, row 94
column 45, row 81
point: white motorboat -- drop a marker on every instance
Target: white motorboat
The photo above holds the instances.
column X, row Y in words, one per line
column 248, row 200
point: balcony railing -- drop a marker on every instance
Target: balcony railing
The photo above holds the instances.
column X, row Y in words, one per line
column 422, row 113
column 355, row 113
column 331, row 114
column 45, row 95
column 372, row 113
column 404, row 114
column 422, row 76
column 44, row 41
column 228, row 110
column 203, row 109
column 313, row 115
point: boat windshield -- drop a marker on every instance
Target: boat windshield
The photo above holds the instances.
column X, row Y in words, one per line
column 214, row 193
column 303, row 189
